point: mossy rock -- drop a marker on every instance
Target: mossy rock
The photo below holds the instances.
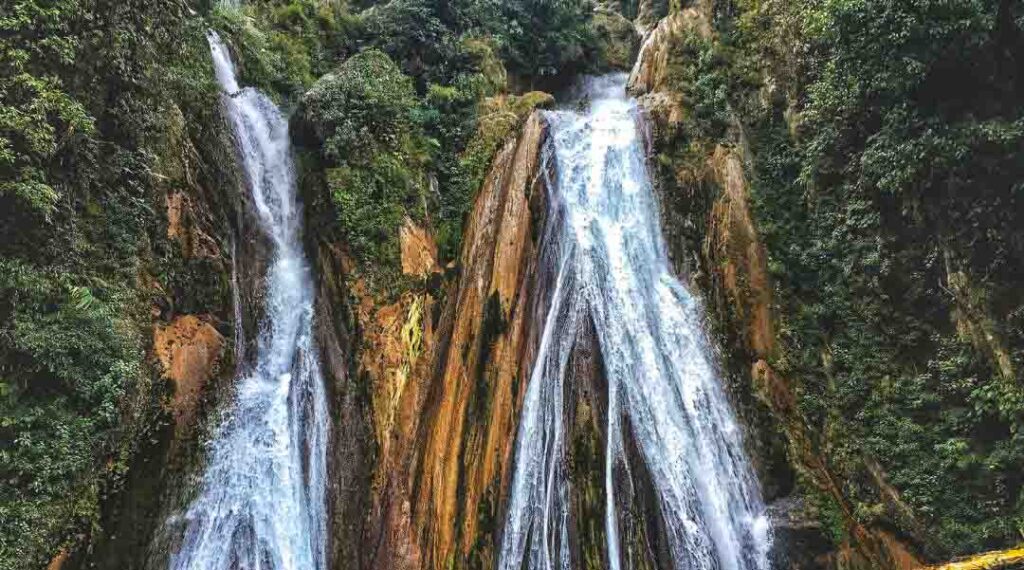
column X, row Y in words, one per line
column 617, row 39
column 492, row 69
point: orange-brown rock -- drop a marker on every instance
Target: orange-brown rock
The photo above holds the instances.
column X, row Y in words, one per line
column 190, row 350
column 448, row 384
column 188, row 222
column 742, row 258
column 650, row 74
column 183, row 227
column 419, row 251
column 58, row 561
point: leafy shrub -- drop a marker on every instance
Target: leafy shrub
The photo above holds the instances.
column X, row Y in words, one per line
column 364, row 120
column 546, row 37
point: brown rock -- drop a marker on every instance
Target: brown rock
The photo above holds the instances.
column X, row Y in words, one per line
column 58, row 561
column 472, row 429
column 650, row 72
column 183, row 228
column 190, row 350
column 736, row 244
column 447, row 385
column 419, row 251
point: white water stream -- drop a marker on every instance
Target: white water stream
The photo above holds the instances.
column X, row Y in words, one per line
column 262, row 501
column 612, row 267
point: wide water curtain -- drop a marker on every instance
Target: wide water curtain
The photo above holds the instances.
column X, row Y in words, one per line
column 613, row 271
column 262, row 501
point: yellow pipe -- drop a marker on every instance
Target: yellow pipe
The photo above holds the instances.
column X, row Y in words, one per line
column 1001, row 559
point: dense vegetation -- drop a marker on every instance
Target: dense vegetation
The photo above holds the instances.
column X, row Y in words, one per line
column 448, row 57
column 86, row 89
column 887, row 162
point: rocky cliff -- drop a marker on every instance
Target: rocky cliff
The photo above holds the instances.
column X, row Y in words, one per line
column 446, row 363
column 837, row 500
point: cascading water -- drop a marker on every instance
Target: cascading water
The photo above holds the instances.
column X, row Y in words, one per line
column 612, row 268
column 262, row 501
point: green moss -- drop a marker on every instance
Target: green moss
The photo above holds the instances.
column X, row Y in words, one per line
column 617, row 40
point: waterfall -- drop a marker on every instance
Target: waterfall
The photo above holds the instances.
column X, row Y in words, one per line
column 612, row 267
column 262, row 499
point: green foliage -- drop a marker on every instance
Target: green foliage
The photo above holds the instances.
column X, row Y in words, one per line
column 413, row 33
column 85, row 91
column 69, row 358
column 700, row 74
column 283, row 46
column 37, row 116
column 904, row 172
column 546, row 37
column 364, row 119
column 451, row 50
column 536, row 39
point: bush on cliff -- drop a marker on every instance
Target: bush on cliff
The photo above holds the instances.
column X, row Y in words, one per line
column 364, row 120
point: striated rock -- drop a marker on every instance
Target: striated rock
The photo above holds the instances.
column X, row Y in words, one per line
column 648, row 14
column 448, row 379
column 797, row 535
column 586, row 418
column 732, row 238
column 650, row 73
column 350, row 447
column 482, row 364
column 183, row 228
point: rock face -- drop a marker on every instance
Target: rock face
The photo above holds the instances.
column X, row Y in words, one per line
column 190, row 350
column 191, row 341
column 714, row 242
column 618, row 36
column 650, row 74
column 430, row 409
column 446, row 369
column 418, row 249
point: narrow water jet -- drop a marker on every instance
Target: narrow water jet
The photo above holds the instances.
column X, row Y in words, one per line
column 612, row 268
column 262, row 499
